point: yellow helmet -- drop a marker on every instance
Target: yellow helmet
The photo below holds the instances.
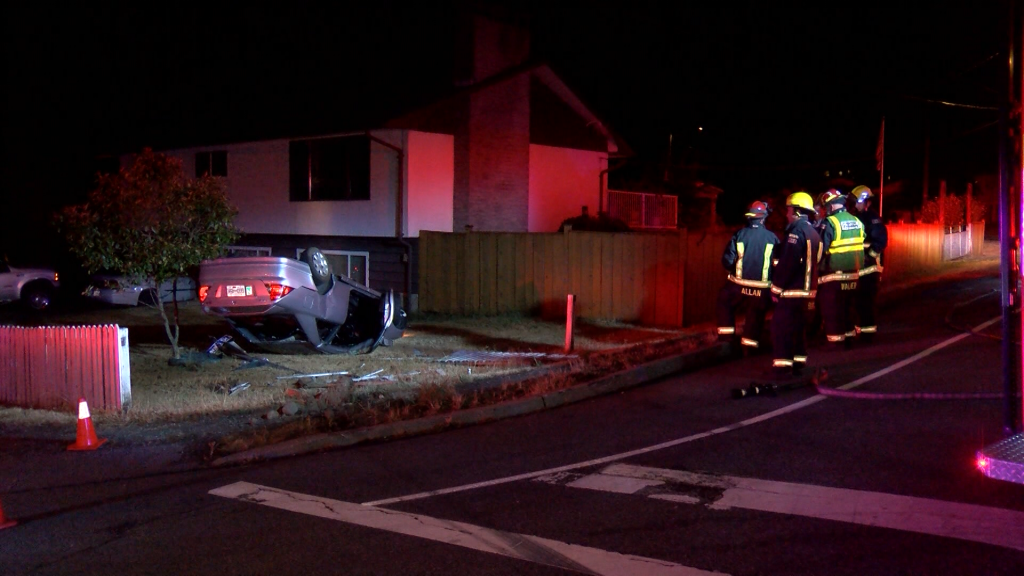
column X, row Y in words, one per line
column 862, row 193
column 800, row 200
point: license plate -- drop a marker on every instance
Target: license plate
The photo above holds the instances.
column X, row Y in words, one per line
column 238, row 291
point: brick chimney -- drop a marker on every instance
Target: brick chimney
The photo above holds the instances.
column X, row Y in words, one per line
column 492, row 140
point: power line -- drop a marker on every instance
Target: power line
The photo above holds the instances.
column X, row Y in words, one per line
column 944, row 102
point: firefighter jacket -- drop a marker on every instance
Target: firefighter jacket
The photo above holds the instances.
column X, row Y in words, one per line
column 843, row 246
column 748, row 256
column 796, row 274
column 876, row 238
column 819, row 225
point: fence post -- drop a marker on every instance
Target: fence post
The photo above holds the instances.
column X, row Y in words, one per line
column 570, row 305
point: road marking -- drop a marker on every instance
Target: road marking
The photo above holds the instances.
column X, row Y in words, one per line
column 686, row 439
column 985, row 524
column 519, row 546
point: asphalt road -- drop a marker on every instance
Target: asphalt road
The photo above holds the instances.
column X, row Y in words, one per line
column 674, row 477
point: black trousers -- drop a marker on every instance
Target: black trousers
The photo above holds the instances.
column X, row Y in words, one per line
column 753, row 302
column 837, row 300
column 867, row 291
column 788, row 323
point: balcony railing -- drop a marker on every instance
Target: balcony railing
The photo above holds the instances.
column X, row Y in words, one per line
column 642, row 210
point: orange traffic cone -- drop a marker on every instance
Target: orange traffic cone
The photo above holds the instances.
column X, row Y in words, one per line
column 86, row 438
column 4, row 521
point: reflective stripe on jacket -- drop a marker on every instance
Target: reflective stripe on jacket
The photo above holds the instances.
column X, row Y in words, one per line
column 876, row 239
column 844, row 247
column 796, row 274
column 748, row 256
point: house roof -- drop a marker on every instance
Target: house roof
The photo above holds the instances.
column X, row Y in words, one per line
column 559, row 116
column 441, row 114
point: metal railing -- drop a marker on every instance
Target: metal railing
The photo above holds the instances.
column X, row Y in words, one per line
column 644, row 211
column 54, row 366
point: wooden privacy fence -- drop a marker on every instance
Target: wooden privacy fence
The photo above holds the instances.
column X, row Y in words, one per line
column 658, row 278
column 54, row 366
column 917, row 248
column 667, row 278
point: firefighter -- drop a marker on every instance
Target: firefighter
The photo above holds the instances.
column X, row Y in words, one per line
column 814, row 325
column 794, row 283
column 748, row 259
column 842, row 246
column 876, row 238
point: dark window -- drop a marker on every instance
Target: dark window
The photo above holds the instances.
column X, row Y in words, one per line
column 213, row 162
column 330, row 169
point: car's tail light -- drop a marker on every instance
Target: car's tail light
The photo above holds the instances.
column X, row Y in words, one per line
column 276, row 291
column 203, row 291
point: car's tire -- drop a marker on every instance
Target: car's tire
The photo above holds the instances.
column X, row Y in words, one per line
column 37, row 297
column 319, row 268
column 148, row 297
column 401, row 320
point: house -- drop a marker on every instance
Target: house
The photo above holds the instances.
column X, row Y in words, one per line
column 509, row 148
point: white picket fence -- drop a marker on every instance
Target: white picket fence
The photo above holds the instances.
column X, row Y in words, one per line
column 957, row 243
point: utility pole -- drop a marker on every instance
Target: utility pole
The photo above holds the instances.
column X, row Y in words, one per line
column 1009, row 221
column 942, row 205
column 967, row 205
column 1015, row 410
column 927, row 152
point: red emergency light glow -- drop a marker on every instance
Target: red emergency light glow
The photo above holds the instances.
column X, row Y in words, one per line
column 982, row 463
column 203, row 291
column 277, row 291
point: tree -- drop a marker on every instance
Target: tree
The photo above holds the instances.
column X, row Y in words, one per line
column 150, row 222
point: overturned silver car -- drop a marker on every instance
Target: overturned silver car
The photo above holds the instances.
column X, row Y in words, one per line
column 282, row 305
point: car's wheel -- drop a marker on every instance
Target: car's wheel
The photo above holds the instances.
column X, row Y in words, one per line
column 148, row 297
column 401, row 320
column 37, row 296
column 319, row 268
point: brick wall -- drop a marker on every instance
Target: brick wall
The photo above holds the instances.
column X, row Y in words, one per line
column 492, row 159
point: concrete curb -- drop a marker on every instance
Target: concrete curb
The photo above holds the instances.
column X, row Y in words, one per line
column 624, row 379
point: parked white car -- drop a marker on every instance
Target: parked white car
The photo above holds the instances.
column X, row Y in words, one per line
column 35, row 287
column 118, row 290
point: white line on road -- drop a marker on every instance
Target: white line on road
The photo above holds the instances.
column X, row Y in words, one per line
column 971, row 522
column 686, row 439
column 520, row 546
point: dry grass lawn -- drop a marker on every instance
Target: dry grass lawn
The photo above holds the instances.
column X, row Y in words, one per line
column 404, row 380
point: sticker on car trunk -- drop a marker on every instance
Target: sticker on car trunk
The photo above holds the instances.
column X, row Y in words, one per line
column 237, row 291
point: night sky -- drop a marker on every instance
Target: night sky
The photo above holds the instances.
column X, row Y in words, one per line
column 782, row 93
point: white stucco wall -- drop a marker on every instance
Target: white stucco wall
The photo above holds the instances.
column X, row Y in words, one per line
column 257, row 185
column 562, row 180
column 430, row 182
